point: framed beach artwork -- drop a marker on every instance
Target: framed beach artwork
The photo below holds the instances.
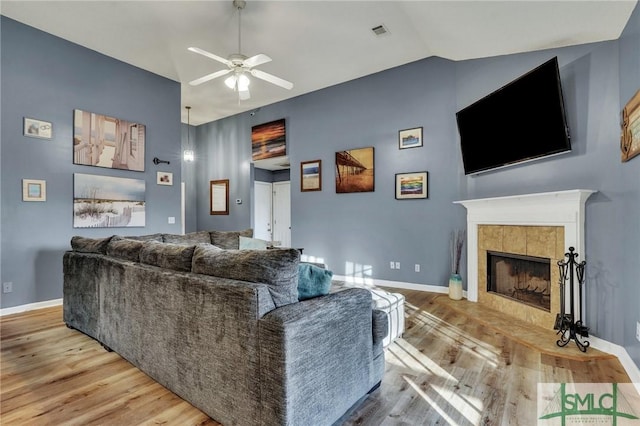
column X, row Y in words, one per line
column 411, row 186
column 103, row 141
column 268, row 140
column 410, row 138
column 107, row 202
column 355, row 170
column 34, row 190
column 37, row 128
column 311, row 175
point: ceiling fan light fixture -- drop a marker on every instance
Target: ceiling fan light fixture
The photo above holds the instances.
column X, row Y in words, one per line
column 243, row 83
column 231, row 82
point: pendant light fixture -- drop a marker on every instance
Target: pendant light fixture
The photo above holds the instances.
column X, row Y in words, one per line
column 188, row 154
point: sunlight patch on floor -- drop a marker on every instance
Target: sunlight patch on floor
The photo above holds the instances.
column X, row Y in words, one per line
column 454, row 335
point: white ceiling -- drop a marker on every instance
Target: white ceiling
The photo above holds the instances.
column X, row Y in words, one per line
column 314, row 44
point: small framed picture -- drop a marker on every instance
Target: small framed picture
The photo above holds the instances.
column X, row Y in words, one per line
column 34, row 190
column 411, row 186
column 311, row 175
column 164, row 178
column 410, row 138
column 37, row 128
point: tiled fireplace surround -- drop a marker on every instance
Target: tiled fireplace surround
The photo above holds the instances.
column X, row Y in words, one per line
column 543, row 225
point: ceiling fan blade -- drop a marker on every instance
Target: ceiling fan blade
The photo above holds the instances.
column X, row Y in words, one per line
column 244, row 94
column 256, row 60
column 272, row 79
column 209, row 77
column 211, row 55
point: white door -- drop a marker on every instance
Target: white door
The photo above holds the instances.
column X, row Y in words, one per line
column 282, row 213
column 262, row 211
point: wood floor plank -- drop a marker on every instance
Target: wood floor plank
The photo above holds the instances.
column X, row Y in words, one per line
column 450, row 367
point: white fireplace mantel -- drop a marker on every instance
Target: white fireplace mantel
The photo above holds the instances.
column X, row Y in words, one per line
column 561, row 208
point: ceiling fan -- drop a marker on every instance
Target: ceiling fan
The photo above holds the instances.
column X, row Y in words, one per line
column 239, row 66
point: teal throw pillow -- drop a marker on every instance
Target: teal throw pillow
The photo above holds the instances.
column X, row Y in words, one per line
column 313, row 281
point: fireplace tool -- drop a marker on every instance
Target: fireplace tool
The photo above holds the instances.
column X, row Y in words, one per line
column 569, row 324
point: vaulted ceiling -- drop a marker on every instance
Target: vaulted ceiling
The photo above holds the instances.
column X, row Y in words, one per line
column 314, row 44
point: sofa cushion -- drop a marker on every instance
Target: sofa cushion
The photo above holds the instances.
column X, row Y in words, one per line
column 192, row 238
column 313, row 281
column 125, row 248
column 167, row 255
column 229, row 240
column 278, row 269
column 246, row 243
column 89, row 245
column 150, row 237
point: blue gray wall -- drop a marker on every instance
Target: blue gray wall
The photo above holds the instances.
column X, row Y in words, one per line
column 628, row 197
column 358, row 234
column 45, row 77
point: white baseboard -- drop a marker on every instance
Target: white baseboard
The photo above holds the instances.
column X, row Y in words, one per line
column 602, row 345
column 30, row 307
column 623, row 356
column 393, row 284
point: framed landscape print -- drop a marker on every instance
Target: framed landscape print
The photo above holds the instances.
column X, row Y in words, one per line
column 311, row 175
column 107, row 202
column 102, row 141
column 410, row 138
column 411, row 186
column 34, row 190
column 37, row 128
column 355, row 171
column 268, row 140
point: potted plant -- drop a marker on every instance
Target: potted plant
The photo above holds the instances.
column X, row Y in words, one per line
column 455, row 280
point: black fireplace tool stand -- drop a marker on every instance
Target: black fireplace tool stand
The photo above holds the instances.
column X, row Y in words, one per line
column 569, row 324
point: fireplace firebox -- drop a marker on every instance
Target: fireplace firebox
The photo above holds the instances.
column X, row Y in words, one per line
column 525, row 279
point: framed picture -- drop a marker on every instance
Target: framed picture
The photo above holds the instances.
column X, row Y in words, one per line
column 219, row 196
column 355, row 171
column 107, row 201
column 102, row 141
column 630, row 136
column 411, row 186
column 164, row 178
column 37, row 128
column 410, row 138
column 34, row 190
column 268, row 140
column 311, row 175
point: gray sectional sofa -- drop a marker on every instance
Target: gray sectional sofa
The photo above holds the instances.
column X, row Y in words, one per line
column 223, row 328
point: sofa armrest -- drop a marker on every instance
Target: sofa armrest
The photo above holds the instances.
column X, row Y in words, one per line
column 316, row 358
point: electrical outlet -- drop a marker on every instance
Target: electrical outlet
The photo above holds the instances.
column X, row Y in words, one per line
column 171, row 220
column 417, row 267
column 7, row 287
column 397, row 265
column 638, row 331
column 392, row 265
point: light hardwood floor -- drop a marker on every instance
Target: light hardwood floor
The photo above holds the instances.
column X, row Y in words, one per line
column 450, row 367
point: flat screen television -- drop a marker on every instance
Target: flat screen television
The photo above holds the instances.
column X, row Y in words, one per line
column 522, row 121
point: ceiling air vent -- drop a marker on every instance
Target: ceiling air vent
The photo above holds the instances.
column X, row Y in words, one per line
column 380, row 30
